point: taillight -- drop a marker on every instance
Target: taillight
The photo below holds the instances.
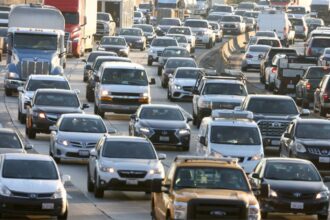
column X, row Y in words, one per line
column 308, row 86
column 274, row 69
column 249, row 56
column 325, row 97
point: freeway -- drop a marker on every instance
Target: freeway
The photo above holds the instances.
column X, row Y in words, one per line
column 114, row 205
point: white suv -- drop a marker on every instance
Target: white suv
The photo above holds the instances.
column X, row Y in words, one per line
column 231, row 133
column 202, row 30
column 124, row 163
column 157, row 46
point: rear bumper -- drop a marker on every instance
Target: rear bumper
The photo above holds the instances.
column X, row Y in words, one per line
column 13, row 83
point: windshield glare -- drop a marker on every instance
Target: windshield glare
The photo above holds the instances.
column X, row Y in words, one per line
column 29, row 169
column 35, row 41
column 167, row 114
column 124, row 77
column 235, row 135
column 313, row 131
column 113, row 41
column 210, row 178
column 291, row 171
column 10, row 140
column 272, row 106
column 57, row 99
column 128, row 150
column 224, row 89
column 85, row 125
column 33, row 85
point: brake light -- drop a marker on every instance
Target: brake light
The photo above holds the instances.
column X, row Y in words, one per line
column 249, row 56
column 308, row 86
column 274, row 69
column 325, row 97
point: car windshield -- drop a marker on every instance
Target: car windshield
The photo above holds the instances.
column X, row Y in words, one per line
column 33, row 85
column 92, row 56
column 214, row 18
column 196, row 24
column 84, row 125
column 314, row 21
column 269, row 42
column 258, row 49
column 173, row 63
column 265, row 34
column 231, row 19
column 219, row 8
column 296, row 10
column 56, row 99
column 175, row 53
column 313, row 130
column 29, row 169
column 321, row 42
column 248, row 6
column 272, row 106
column 102, row 17
column 167, row 114
column 239, row 12
column 164, row 43
column 234, row 135
column 172, row 22
column 129, row 150
column 137, row 14
column 96, row 66
column 210, row 178
column 185, row 31
column 35, row 41
column 291, row 171
column 124, row 76
column 187, row 74
column 317, row 73
column 224, row 89
column 296, row 22
column 130, row 32
column 145, row 28
column 10, row 140
column 113, row 41
column 71, row 18
column 181, row 39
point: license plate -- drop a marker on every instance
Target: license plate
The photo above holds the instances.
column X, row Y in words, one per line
column 275, row 142
column 164, row 138
column 47, row 205
column 324, row 159
column 290, row 86
column 131, row 182
column 297, row 205
column 83, row 153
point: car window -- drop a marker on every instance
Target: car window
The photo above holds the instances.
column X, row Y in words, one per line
column 113, row 41
column 296, row 22
column 164, row 42
column 321, row 42
column 269, row 42
column 145, row 28
column 317, row 73
column 130, row 32
column 10, row 140
column 224, row 89
column 170, row 114
column 272, row 53
column 172, row 22
column 57, row 99
column 128, row 150
column 272, row 106
column 196, row 24
column 92, row 56
column 313, row 130
column 124, row 77
column 34, row 84
column 259, row 49
column 173, row 63
column 85, row 125
column 234, row 135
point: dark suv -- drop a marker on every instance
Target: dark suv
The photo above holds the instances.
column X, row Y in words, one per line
column 47, row 106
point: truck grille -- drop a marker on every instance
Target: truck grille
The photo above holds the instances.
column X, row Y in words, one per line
column 34, row 67
column 229, row 26
column 132, row 173
column 32, row 195
column 296, row 195
column 216, row 209
column 319, row 151
column 272, row 128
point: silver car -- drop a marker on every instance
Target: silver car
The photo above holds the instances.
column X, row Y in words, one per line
column 75, row 135
column 10, row 142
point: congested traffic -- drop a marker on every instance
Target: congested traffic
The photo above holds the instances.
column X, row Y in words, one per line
column 127, row 118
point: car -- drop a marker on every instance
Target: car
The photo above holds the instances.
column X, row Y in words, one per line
column 148, row 31
column 32, row 181
column 46, row 106
column 106, row 26
column 324, row 59
column 322, row 96
column 10, row 142
column 186, row 31
column 171, row 52
column 307, row 85
column 253, row 56
column 273, row 42
column 162, row 124
column 182, row 41
column 35, row 82
column 181, row 84
column 315, row 46
column 216, row 92
column 75, row 135
column 124, row 163
column 313, row 23
column 232, row 24
column 185, row 194
column 171, row 64
column 201, row 28
column 90, row 60
column 308, row 139
column 318, row 33
column 157, row 46
column 216, row 30
column 251, row 14
column 250, row 23
column 290, row 186
column 273, row 114
column 134, row 37
column 139, row 18
column 121, row 88
column 166, row 23
column 221, row 9
column 230, row 133
column 300, row 28
column 297, row 11
column 90, row 85
column 114, row 44
column 266, row 34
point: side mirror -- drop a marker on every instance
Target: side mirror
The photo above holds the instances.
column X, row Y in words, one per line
column 161, row 156
column 286, row 135
column 264, row 190
column 28, row 147
column 152, row 81
column 27, row 104
column 202, row 140
column 20, row 89
column 255, row 176
column 305, row 112
column 189, row 119
column 156, row 186
column 53, row 128
column 84, row 106
column 66, row 178
column 93, row 153
column 112, row 130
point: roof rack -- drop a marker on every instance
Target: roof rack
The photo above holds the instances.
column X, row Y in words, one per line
column 232, row 114
column 212, row 158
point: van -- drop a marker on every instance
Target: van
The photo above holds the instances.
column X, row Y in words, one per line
column 314, row 47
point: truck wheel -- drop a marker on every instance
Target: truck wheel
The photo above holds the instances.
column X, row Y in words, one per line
column 8, row 92
column 323, row 112
column 31, row 133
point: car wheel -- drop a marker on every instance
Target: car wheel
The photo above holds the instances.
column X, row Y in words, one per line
column 31, row 133
column 322, row 217
column 266, row 86
column 98, row 192
column 159, row 71
column 199, row 121
column 89, row 95
column 8, row 92
column 149, row 62
column 323, row 112
column 90, row 184
column 64, row 216
column 271, row 87
column 21, row 117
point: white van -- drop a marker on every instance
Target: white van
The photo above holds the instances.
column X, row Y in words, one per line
column 277, row 21
column 231, row 133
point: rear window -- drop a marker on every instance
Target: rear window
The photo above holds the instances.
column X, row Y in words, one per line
column 265, row 34
column 198, row 24
column 259, row 49
column 296, row 22
column 272, row 53
column 164, row 42
column 272, row 43
column 325, row 42
column 317, row 73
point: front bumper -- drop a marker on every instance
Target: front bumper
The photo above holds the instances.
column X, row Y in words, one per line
column 202, row 39
column 69, row 152
column 119, row 108
column 13, row 83
column 231, row 31
column 42, row 125
column 181, row 94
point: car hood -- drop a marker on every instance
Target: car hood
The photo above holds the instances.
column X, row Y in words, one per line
column 265, row 116
column 230, row 22
column 31, row 186
column 79, row 136
column 185, row 82
column 225, row 98
column 55, row 109
column 126, row 88
column 129, row 164
column 198, row 29
column 162, row 124
column 314, row 142
column 11, row 150
column 157, row 48
column 236, row 150
column 295, row 186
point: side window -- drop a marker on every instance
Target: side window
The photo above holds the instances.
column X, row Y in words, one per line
column 99, row 146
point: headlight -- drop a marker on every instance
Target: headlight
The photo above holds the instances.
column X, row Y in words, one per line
column 180, row 210
column 101, row 49
column 323, row 195
column 60, row 193
column 257, row 157
column 144, row 95
column 13, row 75
column 177, row 87
column 184, row 131
column 155, row 171
column 205, row 104
column 39, row 115
column 144, row 130
column 104, row 93
column 272, row 193
column 4, row 191
column 63, row 142
column 300, row 148
column 106, row 169
column 75, row 39
column 253, row 212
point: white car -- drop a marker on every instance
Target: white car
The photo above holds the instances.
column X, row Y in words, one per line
column 35, row 82
column 157, row 46
column 202, row 30
column 182, row 82
column 182, row 41
column 32, row 181
column 271, row 72
column 124, row 163
column 324, row 59
column 217, row 31
column 253, row 56
column 186, row 31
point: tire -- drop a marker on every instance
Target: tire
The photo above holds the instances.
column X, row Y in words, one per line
column 98, row 112
column 85, row 78
column 322, row 217
column 323, row 112
column 98, row 192
column 21, row 117
column 194, row 120
column 163, row 84
column 168, row 94
column 271, row 87
column 159, row 71
column 8, row 92
column 89, row 95
column 90, row 184
column 65, row 215
column 186, row 147
column 31, row 133
column 149, row 62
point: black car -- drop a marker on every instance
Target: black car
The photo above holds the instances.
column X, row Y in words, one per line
column 308, row 139
column 307, row 85
column 171, row 52
column 114, row 44
column 148, row 30
column 96, row 65
column 47, row 106
column 162, row 124
column 91, row 58
column 290, row 186
column 134, row 37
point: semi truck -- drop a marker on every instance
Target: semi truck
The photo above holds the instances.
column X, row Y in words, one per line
column 35, row 44
column 80, row 23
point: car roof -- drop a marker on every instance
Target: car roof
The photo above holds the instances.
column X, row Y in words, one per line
column 321, row 37
column 62, row 91
column 78, row 115
column 160, row 106
column 269, row 96
column 126, row 138
column 260, row 45
column 233, row 122
column 229, row 81
column 283, row 159
column 7, row 131
column 267, row 38
column 113, row 59
column 48, row 77
column 133, row 28
column 124, row 65
column 16, row 156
